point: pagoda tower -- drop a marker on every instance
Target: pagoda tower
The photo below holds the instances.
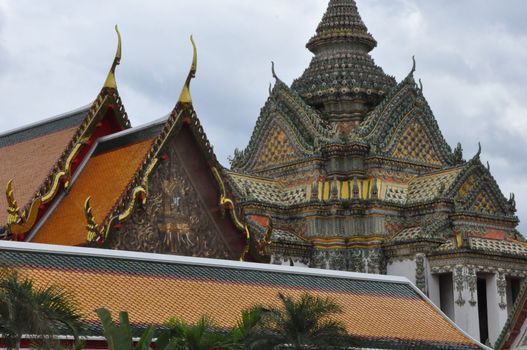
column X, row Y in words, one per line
column 347, row 169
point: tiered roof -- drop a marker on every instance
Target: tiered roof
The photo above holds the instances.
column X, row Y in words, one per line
column 103, row 178
column 158, row 287
column 111, row 177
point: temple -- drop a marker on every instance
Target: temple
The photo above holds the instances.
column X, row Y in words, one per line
column 346, row 169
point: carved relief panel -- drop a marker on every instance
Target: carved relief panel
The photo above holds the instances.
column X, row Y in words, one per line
column 174, row 220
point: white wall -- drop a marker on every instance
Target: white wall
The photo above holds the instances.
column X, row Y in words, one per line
column 405, row 268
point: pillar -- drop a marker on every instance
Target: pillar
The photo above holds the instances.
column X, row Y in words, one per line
column 496, row 304
column 466, row 313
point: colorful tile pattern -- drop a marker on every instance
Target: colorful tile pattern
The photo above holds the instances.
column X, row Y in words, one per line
column 268, row 191
column 277, row 149
column 104, row 179
column 153, row 288
column 29, row 162
column 428, row 187
column 416, row 145
column 408, row 234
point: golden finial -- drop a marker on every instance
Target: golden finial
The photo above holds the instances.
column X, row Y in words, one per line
column 110, row 80
column 13, row 211
column 91, row 225
column 185, row 92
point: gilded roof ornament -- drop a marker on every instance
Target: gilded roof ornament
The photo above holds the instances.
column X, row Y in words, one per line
column 185, row 92
column 91, row 226
column 13, row 211
column 110, row 80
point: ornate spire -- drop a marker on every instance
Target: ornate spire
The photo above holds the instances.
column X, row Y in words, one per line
column 110, row 80
column 342, row 80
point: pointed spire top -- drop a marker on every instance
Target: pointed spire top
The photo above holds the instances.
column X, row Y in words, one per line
column 110, row 80
column 185, row 92
column 342, row 23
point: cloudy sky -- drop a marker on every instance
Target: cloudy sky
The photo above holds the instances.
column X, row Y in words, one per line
column 471, row 56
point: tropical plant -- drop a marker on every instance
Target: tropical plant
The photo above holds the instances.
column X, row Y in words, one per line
column 202, row 335
column 306, row 323
column 43, row 313
column 247, row 333
column 119, row 336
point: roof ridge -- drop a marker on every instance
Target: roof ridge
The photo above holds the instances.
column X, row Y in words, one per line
column 45, row 121
column 179, row 259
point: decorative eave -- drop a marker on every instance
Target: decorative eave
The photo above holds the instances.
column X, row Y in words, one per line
column 471, row 253
column 404, row 103
column 484, row 179
column 21, row 221
column 481, row 218
column 352, row 147
column 376, row 160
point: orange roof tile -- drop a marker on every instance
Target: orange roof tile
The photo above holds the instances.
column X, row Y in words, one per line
column 154, row 287
column 28, row 163
column 104, row 178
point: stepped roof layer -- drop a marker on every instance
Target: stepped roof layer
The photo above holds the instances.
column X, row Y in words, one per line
column 28, row 154
column 103, row 177
column 381, row 311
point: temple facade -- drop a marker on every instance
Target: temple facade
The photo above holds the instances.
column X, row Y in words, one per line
column 346, row 170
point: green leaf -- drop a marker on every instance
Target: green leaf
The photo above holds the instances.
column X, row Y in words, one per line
column 146, row 339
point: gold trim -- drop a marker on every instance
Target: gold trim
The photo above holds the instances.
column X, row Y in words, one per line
column 142, row 189
column 54, row 188
column 227, row 202
column 20, row 224
column 91, row 225
column 137, row 191
column 13, row 210
column 459, row 239
column 185, row 97
column 110, row 80
column 28, row 219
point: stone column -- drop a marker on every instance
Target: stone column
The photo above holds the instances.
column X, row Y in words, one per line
column 496, row 304
column 466, row 313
